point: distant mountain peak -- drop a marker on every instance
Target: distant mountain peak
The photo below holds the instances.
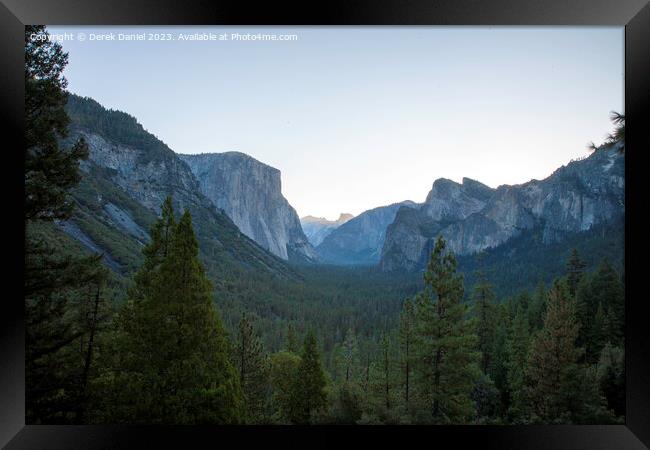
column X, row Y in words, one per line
column 472, row 182
column 444, row 182
column 318, row 228
column 360, row 239
column 343, row 217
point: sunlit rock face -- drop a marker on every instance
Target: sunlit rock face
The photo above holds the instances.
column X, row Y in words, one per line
column 472, row 217
column 249, row 192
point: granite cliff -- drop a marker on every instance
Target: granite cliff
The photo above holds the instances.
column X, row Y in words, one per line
column 250, row 193
column 126, row 178
column 473, row 217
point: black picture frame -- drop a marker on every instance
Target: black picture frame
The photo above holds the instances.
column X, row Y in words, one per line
column 634, row 15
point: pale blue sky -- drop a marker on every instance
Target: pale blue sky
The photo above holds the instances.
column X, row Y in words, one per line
column 362, row 117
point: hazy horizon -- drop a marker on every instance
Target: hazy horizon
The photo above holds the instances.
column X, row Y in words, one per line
column 361, row 117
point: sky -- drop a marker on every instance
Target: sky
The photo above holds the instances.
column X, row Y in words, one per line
column 360, row 117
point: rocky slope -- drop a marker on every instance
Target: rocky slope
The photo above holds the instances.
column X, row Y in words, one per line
column 126, row 178
column 359, row 241
column 318, row 228
column 473, row 217
column 249, row 192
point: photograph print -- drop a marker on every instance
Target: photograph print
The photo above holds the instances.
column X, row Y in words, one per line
column 233, row 225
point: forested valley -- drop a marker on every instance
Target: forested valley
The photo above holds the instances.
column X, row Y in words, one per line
column 180, row 338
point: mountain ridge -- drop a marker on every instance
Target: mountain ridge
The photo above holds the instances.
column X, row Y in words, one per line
column 126, row 178
column 473, row 217
column 245, row 200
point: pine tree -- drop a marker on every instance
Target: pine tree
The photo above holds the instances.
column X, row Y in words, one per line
column 365, row 376
column 154, row 254
column 347, row 405
column 157, row 249
column 133, row 313
column 597, row 335
column 585, row 313
column 251, row 364
column 447, row 362
column 308, row 390
column 380, row 407
column 537, row 308
column 508, row 308
column 604, row 290
column 611, row 377
column 518, row 346
column 173, row 362
column 484, row 311
column 350, row 356
column 386, row 379
column 93, row 316
column 291, row 344
column 575, row 269
column 347, row 394
column 486, row 398
column 406, row 337
column 498, row 369
column 283, row 378
column 58, row 287
column 55, row 281
column 607, row 289
column 49, row 170
column 490, row 389
column 612, row 329
column 553, row 359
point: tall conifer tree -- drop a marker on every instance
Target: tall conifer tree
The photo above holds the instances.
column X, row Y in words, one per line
column 603, row 291
column 308, row 392
column 251, row 364
column 173, row 363
column 56, row 282
column 537, row 307
column 518, row 347
column 484, row 312
column 447, row 360
column 407, row 330
column 49, row 170
column 350, row 356
column 553, row 358
column 575, row 269
column 283, row 379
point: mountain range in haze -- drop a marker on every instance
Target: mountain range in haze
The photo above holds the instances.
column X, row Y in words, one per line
column 242, row 218
column 318, row 228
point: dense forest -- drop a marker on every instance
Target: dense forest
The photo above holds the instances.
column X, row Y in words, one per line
column 177, row 339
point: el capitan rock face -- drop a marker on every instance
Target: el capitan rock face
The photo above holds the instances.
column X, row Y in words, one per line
column 318, row 228
column 473, row 217
column 249, row 192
